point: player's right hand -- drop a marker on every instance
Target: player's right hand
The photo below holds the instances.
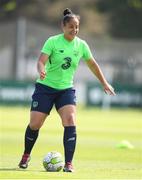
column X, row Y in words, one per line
column 42, row 75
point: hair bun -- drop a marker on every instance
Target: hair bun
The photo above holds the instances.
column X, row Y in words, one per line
column 67, row 11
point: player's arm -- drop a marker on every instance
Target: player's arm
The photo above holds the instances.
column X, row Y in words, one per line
column 41, row 65
column 94, row 67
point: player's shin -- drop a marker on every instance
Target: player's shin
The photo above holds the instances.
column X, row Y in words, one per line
column 69, row 142
column 30, row 139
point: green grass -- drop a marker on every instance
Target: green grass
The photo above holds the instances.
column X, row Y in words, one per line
column 96, row 155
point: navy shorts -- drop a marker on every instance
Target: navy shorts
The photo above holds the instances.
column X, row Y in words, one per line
column 44, row 97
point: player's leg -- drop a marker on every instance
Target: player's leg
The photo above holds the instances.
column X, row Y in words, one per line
column 36, row 121
column 41, row 106
column 31, row 134
column 67, row 114
column 67, row 111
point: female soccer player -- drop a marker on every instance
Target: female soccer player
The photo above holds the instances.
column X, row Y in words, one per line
column 57, row 64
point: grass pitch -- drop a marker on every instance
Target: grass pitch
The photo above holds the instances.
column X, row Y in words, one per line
column 96, row 156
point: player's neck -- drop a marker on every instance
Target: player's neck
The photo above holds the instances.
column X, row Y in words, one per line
column 68, row 38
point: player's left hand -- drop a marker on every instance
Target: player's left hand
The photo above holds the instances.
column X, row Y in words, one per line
column 109, row 89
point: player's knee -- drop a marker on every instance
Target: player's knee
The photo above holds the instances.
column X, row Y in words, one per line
column 69, row 120
column 35, row 126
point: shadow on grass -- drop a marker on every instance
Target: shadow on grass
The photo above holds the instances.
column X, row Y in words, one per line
column 26, row 170
column 9, row 169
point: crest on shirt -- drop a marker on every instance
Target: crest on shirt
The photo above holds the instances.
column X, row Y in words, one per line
column 61, row 50
column 75, row 53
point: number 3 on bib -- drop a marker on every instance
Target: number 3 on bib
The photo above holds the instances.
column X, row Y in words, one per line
column 67, row 63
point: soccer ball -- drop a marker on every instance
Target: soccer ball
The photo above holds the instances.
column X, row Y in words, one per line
column 53, row 162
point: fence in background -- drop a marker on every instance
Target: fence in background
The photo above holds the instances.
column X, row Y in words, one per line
column 19, row 93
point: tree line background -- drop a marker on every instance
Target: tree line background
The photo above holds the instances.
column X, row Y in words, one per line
column 119, row 18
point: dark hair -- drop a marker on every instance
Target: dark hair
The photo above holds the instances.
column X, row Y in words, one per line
column 68, row 15
column 67, row 11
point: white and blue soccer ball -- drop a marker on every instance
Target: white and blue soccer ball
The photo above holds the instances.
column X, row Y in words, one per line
column 53, row 162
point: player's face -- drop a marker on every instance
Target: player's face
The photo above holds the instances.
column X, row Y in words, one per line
column 71, row 29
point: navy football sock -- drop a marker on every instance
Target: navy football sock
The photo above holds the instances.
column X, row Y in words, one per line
column 30, row 139
column 69, row 142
